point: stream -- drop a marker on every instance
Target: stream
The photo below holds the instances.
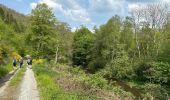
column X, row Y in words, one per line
column 136, row 92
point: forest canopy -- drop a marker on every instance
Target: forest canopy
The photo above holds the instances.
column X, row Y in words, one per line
column 134, row 49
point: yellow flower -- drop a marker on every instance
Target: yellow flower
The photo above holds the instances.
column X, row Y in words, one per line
column 38, row 61
column 16, row 55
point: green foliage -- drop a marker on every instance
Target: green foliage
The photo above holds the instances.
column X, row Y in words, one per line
column 5, row 69
column 82, row 46
column 162, row 73
column 127, row 35
column 97, row 81
column 91, row 80
column 42, row 30
column 156, row 72
column 105, row 44
column 164, row 52
column 11, row 38
column 155, row 91
column 18, row 77
column 46, row 84
column 120, row 68
column 65, row 42
column 120, row 49
column 144, row 71
column 50, row 89
column 14, row 19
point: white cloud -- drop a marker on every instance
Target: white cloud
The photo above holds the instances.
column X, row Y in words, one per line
column 132, row 7
column 166, row 1
column 73, row 29
column 78, row 15
column 50, row 3
column 106, row 6
column 33, row 5
column 69, row 8
column 73, row 9
column 135, row 7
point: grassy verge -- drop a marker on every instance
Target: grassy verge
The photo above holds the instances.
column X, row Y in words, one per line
column 18, row 77
column 67, row 83
column 48, row 87
column 5, row 69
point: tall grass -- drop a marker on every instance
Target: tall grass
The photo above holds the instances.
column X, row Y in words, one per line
column 5, row 69
column 49, row 89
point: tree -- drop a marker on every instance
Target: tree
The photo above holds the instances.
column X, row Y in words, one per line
column 82, row 46
column 164, row 53
column 106, row 39
column 127, row 36
column 120, row 67
column 65, row 39
column 42, row 30
column 14, row 19
column 152, row 17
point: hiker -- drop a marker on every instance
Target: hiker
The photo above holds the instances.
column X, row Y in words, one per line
column 14, row 62
column 21, row 62
column 29, row 62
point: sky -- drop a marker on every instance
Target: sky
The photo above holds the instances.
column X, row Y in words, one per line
column 89, row 13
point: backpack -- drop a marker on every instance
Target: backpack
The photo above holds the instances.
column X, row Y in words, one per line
column 21, row 60
column 14, row 61
column 28, row 61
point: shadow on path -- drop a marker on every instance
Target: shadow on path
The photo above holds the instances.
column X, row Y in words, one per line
column 7, row 77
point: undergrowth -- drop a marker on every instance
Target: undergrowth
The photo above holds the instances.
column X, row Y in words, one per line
column 5, row 69
column 75, row 84
column 49, row 89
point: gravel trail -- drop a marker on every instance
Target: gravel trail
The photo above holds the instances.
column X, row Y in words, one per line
column 28, row 90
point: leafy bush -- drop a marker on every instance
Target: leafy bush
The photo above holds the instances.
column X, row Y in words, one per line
column 5, row 69
column 162, row 72
column 154, row 90
column 157, row 72
column 96, row 81
column 118, row 90
column 119, row 68
column 144, row 71
column 1, row 56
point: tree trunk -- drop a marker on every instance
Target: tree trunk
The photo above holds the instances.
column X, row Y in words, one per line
column 137, row 43
column 56, row 56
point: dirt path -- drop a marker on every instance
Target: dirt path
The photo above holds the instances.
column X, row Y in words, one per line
column 28, row 90
column 5, row 81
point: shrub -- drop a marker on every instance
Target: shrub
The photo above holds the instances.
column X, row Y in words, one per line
column 96, row 81
column 154, row 90
column 119, row 68
column 157, row 72
column 15, row 54
column 5, row 69
column 38, row 61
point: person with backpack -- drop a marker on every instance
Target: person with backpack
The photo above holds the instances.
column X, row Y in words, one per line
column 29, row 62
column 21, row 62
column 14, row 62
